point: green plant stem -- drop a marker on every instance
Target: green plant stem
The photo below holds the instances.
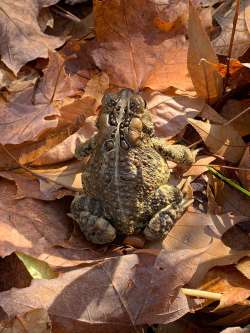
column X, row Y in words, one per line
column 229, row 181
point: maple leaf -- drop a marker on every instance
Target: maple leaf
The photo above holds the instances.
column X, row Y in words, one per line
column 21, row 37
column 145, row 56
column 122, row 291
column 170, row 113
column 38, row 228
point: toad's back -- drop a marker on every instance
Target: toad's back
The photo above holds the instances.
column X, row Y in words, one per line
column 124, row 184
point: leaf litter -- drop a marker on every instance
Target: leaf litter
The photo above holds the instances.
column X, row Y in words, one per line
column 174, row 58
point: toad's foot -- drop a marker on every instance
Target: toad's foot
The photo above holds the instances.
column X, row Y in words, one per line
column 163, row 221
column 87, row 213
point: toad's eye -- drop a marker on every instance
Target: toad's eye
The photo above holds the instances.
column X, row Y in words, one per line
column 109, row 100
column 111, row 103
column 132, row 105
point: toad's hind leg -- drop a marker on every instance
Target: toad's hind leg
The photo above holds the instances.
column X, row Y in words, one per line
column 171, row 205
column 87, row 212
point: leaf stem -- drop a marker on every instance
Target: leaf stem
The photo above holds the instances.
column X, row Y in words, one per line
column 237, row 9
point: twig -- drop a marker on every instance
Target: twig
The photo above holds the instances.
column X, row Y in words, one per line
column 236, row 117
column 237, row 8
column 229, row 181
column 195, row 143
column 201, row 293
column 64, row 13
column 222, row 166
column 216, row 166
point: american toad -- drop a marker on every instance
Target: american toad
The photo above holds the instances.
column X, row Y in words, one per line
column 125, row 181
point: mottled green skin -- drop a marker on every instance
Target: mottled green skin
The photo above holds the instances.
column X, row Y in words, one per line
column 125, row 179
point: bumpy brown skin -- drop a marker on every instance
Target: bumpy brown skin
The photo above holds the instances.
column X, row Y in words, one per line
column 125, row 179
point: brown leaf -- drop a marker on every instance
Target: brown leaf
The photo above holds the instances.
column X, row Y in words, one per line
column 55, row 83
column 126, row 291
column 221, row 140
column 170, row 114
column 231, row 199
column 23, row 40
column 200, row 166
column 244, row 175
column 233, row 109
column 13, row 273
column 244, row 267
column 65, row 150
column 224, row 16
column 33, row 321
column 236, row 330
column 36, row 227
column 227, row 280
column 206, row 80
column 14, row 155
column 85, row 107
column 23, row 121
column 68, row 176
column 134, row 52
column 209, row 229
column 28, row 186
column 241, row 316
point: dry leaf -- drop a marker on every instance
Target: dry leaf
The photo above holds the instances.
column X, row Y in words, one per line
column 224, row 16
column 239, row 317
column 227, row 280
column 14, row 155
column 28, row 186
column 13, row 274
column 134, row 52
column 209, row 229
column 221, row 140
column 231, row 199
column 22, row 121
column 244, row 175
column 68, row 176
column 33, row 321
column 123, row 291
column 170, row 114
column 23, row 40
column 236, row 330
column 200, row 166
column 244, row 267
column 36, row 227
column 55, row 83
column 206, row 80
column 65, row 150
column 233, row 109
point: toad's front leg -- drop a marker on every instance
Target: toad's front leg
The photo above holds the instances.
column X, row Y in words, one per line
column 177, row 153
column 171, row 205
column 87, row 212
